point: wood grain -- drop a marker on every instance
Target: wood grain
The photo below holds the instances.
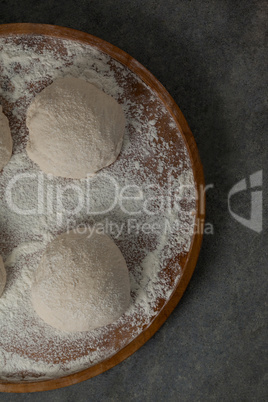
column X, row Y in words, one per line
column 189, row 261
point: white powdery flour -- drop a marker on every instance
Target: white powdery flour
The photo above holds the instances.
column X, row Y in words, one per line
column 137, row 201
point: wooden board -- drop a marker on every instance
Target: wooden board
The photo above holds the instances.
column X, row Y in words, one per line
column 187, row 260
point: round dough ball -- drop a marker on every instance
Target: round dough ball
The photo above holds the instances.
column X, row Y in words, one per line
column 5, row 140
column 3, row 276
column 75, row 129
column 82, row 282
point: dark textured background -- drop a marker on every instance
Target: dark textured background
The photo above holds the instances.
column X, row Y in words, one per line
column 211, row 57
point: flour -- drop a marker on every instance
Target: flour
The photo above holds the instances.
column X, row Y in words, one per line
column 145, row 201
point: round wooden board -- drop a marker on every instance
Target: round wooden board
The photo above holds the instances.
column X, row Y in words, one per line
column 187, row 261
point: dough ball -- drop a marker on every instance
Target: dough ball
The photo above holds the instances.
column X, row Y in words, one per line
column 82, row 282
column 5, row 140
column 3, row 276
column 75, row 129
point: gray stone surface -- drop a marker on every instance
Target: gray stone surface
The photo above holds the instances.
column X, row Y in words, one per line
column 211, row 57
